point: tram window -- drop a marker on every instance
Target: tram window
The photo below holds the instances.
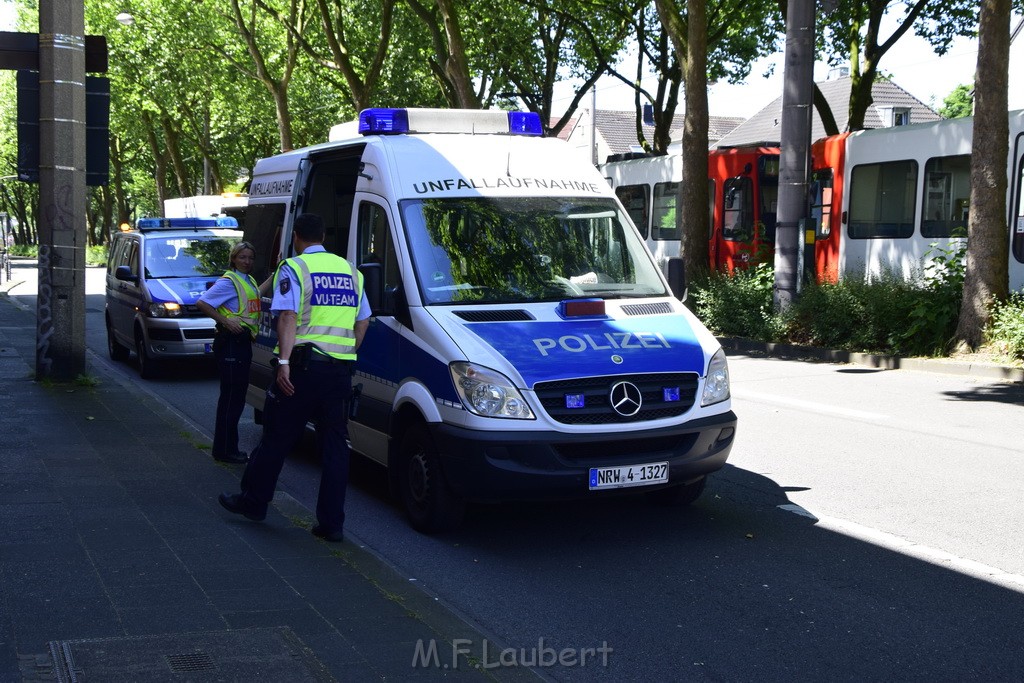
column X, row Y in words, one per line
column 738, row 213
column 637, row 200
column 882, row 200
column 663, row 219
column 947, row 191
column 821, row 203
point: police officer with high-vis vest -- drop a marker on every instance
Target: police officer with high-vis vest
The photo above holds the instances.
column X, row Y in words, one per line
column 234, row 302
column 322, row 317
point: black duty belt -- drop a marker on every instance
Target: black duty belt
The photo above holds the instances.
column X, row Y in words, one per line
column 322, row 358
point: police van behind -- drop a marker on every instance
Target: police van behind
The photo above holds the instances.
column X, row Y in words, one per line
column 523, row 345
column 155, row 274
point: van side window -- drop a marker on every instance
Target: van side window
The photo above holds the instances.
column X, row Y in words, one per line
column 131, row 257
column 375, row 243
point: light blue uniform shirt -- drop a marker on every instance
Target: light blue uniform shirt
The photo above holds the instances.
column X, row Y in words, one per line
column 289, row 300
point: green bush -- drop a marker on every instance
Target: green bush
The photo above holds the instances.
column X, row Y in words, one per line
column 1006, row 331
column 933, row 318
column 29, row 250
column 740, row 304
column 886, row 314
column 96, row 256
column 857, row 316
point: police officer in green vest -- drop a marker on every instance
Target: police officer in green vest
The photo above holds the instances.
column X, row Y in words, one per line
column 322, row 317
column 234, row 302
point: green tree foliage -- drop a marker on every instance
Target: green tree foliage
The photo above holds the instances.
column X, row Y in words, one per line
column 852, row 35
column 959, row 103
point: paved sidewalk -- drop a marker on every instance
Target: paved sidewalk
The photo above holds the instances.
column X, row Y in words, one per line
column 117, row 562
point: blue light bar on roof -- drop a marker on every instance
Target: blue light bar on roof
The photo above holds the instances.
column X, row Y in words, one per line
column 384, row 121
column 524, row 123
column 184, row 223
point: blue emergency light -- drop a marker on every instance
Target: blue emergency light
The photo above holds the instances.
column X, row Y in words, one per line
column 185, row 223
column 386, row 121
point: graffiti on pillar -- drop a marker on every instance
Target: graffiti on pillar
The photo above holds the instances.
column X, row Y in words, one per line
column 44, row 313
column 59, row 220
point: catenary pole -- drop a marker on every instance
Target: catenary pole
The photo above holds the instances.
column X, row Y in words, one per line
column 794, row 164
column 60, row 311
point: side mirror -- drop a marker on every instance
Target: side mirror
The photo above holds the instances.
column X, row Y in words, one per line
column 373, row 286
column 677, row 277
column 125, row 273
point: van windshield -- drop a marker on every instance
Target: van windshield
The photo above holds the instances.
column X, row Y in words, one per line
column 522, row 249
column 187, row 256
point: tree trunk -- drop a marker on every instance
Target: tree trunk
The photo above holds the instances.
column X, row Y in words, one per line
column 693, row 192
column 456, row 66
column 987, row 276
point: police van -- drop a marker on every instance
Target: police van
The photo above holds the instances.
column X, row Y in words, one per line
column 524, row 344
column 155, row 274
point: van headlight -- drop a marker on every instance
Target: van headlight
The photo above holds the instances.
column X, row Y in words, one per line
column 488, row 393
column 716, row 384
column 167, row 309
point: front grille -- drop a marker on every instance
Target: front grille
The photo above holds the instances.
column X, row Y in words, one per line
column 597, row 408
column 199, row 333
column 164, row 334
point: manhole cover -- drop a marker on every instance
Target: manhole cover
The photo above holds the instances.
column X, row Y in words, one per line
column 269, row 654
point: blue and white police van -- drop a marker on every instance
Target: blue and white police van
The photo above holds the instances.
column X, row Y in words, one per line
column 524, row 344
column 155, row 274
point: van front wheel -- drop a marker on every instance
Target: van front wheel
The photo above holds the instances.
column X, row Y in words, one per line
column 148, row 366
column 117, row 351
column 429, row 502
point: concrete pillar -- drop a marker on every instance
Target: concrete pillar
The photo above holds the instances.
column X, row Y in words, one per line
column 794, row 164
column 60, row 313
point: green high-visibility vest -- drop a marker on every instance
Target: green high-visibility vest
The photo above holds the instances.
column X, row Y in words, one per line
column 248, row 292
column 329, row 293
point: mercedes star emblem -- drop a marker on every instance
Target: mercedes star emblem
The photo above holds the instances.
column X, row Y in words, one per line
column 626, row 399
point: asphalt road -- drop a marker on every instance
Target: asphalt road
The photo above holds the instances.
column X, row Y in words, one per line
column 867, row 527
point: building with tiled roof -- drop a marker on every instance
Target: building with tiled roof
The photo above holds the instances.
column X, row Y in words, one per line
column 616, row 132
column 892, row 106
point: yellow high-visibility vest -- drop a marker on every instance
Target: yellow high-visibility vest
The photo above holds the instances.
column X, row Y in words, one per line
column 329, row 293
column 248, row 292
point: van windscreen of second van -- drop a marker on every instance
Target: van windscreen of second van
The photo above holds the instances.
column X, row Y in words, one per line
column 517, row 249
column 186, row 256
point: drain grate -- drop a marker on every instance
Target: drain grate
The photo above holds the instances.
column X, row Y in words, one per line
column 192, row 661
column 266, row 654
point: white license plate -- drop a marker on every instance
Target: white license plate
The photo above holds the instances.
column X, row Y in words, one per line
column 631, row 475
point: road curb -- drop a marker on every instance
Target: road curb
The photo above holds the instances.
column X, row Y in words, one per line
column 995, row 371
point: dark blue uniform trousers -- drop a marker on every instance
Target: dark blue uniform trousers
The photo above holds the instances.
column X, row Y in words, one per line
column 234, row 355
column 322, row 393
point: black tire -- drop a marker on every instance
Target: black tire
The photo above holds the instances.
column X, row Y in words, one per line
column 117, row 350
column 679, row 495
column 429, row 502
column 148, row 366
